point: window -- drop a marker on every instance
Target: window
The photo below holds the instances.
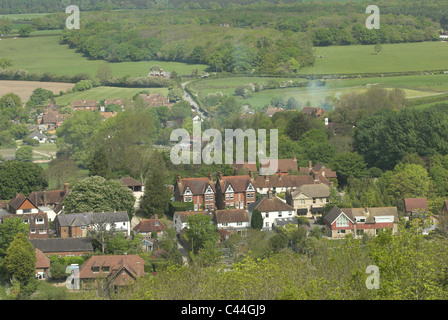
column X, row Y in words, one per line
column 267, row 215
column 341, row 231
column 314, row 200
column 26, row 221
column 39, row 221
column 279, row 214
column 26, row 210
column 96, row 269
column 239, row 223
column 360, row 232
column 106, row 269
column 301, row 201
column 42, row 231
column 83, row 227
column 33, row 230
column 342, row 221
column 224, row 224
column 267, row 224
column 156, row 223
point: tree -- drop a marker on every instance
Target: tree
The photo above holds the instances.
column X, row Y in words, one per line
column 5, row 63
column 104, row 73
column 349, row 164
column 103, row 230
column 378, row 48
column 96, row 194
column 256, row 221
column 5, row 25
column 99, row 164
column 20, row 177
column 24, row 154
column 200, row 230
column 181, row 110
column 157, row 196
column 8, row 230
column 25, row 30
column 20, row 259
column 60, row 170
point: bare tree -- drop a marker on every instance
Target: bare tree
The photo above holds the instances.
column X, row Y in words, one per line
column 103, row 229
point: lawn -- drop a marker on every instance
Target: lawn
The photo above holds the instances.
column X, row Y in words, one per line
column 101, row 93
column 42, row 53
column 393, row 58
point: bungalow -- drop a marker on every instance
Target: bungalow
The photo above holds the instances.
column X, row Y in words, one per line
column 154, row 100
column 309, row 199
column 235, row 191
column 231, row 221
column 160, row 73
column 77, row 225
column 39, row 136
column 271, row 208
column 138, row 189
column 117, row 270
column 42, row 265
column 200, row 191
column 147, row 226
column 64, row 247
column 416, row 205
column 358, row 221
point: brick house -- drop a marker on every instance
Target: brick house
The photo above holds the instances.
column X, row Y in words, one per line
column 319, row 171
column 116, row 270
column 358, row 221
column 314, row 111
column 64, row 247
column 200, row 191
column 38, row 225
column 154, row 100
column 50, row 198
column 77, row 225
column 90, row 105
column 22, row 205
column 284, row 167
column 416, row 205
column 235, row 191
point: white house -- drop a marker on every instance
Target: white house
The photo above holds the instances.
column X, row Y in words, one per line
column 138, row 189
column 50, row 212
column 39, row 136
column 271, row 208
column 232, row 221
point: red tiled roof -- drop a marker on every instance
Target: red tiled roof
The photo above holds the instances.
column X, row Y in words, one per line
column 132, row 263
column 231, row 215
column 149, row 225
column 414, row 204
column 283, row 165
column 42, row 261
column 238, row 183
column 197, row 186
column 279, row 181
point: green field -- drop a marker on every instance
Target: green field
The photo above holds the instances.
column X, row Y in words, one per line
column 42, row 53
column 393, row 58
column 101, row 93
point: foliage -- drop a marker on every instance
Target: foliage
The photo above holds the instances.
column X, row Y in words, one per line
column 20, row 259
column 256, row 221
column 200, row 231
column 24, row 154
column 8, row 231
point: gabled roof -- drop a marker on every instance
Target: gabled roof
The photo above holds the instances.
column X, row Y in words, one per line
column 414, row 204
column 49, row 196
column 19, row 200
column 131, row 182
column 37, row 134
column 313, row 190
column 283, row 165
column 183, row 215
column 132, row 263
column 198, row 186
column 368, row 213
column 230, row 216
column 238, row 183
column 269, row 204
column 63, row 245
column 42, row 261
column 149, row 225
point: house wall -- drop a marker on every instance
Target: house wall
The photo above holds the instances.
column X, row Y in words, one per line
column 269, row 217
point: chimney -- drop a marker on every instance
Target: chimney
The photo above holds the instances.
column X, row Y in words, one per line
column 266, row 177
column 178, row 178
column 210, row 176
column 156, row 216
column 219, row 176
column 295, row 158
column 45, row 198
column 65, row 189
column 310, row 165
column 269, row 194
column 251, row 175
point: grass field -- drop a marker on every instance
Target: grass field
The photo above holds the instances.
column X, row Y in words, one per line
column 42, row 53
column 101, row 93
column 393, row 58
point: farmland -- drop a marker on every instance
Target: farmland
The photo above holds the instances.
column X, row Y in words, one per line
column 24, row 89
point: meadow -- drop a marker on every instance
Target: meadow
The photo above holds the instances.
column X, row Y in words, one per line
column 41, row 53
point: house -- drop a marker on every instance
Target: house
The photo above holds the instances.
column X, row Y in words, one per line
column 443, row 35
column 154, row 100
column 52, row 199
column 160, row 73
column 116, row 270
column 52, row 119
column 358, row 221
column 138, row 189
column 38, row 225
column 230, row 221
column 42, row 265
column 77, row 225
column 117, row 102
column 90, row 105
column 180, row 219
column 271, row 208
column 317, row 112
column 235, row 191
column 22, row 205
column 39, row 136
column 416, row 205
column 247, row 166
column 319, row 171
column 284, row 167
column 147, row 226
column 64, row 247
column 200, row 191
column 270, row 111
column 279, row 183
column 309, row 199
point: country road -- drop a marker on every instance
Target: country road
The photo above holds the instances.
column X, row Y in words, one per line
column 187, row 98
